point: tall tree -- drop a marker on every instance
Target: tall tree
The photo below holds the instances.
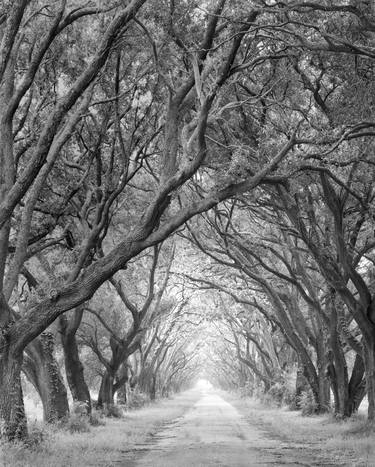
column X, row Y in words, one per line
column 192, row 92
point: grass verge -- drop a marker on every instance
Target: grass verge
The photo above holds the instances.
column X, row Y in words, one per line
column 105, row 446
column 350, row 442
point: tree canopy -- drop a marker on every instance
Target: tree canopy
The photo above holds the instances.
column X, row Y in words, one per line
column 171, row 166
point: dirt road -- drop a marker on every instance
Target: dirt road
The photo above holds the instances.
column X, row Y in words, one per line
column 213, row 433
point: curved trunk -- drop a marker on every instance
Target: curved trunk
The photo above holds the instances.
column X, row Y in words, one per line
column 121, row 386
column 312, row 378
column 297, row 342
column 108, row 387
column 145, row 380
column 12, row 413
column 357, row 386
column 106, row 392
column 339, row 383
column 316, row 383
column 73, row 365
column 347, row 396
column 42, row 370
column 337, row 367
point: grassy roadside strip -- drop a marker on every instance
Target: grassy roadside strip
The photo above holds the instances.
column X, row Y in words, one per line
column 111, row 445
column 350, row 441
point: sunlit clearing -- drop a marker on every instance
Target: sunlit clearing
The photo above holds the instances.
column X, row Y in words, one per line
column 203, row 384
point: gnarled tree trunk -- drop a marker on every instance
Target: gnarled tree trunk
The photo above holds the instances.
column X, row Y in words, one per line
column 41, row 369
column 323, row 380
column 357, row 385
column 121, row 385
column 347, row 395
column 13, row 424
column 73, row 365
column 106, row 391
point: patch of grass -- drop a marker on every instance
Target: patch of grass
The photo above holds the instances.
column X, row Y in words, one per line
column 137, row 400
column 38, row 434
column 113, row 411
column 351, row 440
column 77, row 423
column 306, row 402
column 360, row 449
column 96, row 418
column 357, row 437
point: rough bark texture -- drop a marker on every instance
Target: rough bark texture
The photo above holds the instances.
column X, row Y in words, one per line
column 41, row 369
column 12, row 414
column 323, row 381
column 338, row 371
column 347, row 395
column 121, row 385
column 73, row 366
column 324, row 392
column 16, row 336
column 357, row 385
column 106, row 392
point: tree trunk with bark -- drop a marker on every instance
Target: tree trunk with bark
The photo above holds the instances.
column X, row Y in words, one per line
column 12, row 413
column 73, row 365
column 337, row 367
column 42, row 370
column 121, row 385
column 347, row 394
column 323, row 380
column 106, row 391
column 324, row 391
column 16, row 334
column 357, row 385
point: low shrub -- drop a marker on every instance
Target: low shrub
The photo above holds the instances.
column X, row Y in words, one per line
column 77, row 423
column 281, row 394
column 80, row 408
column 38, row 434
column 11, row 452
column 247, row 390
column 258, row 393
column 137, row 400
column 307, row 403
column 113, row 411
column 96, row 418
column 294, row 403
